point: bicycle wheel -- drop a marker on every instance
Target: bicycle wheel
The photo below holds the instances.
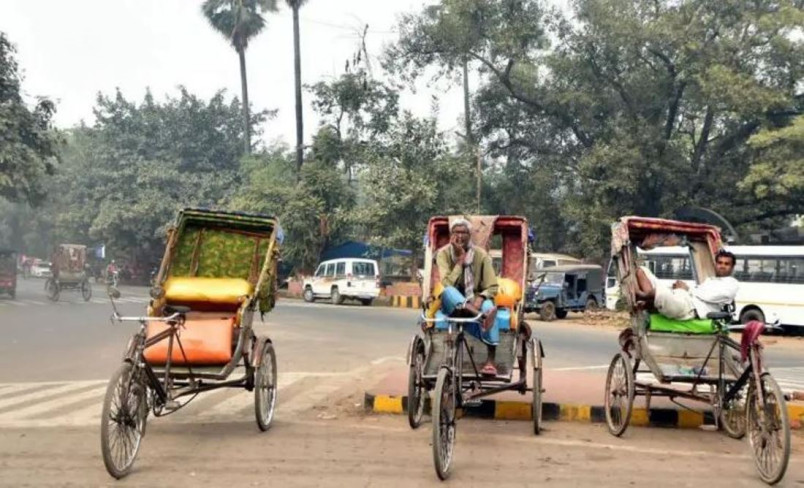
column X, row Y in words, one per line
column 52, row 289
column 620, row 391
column 536, row 405
column 444, row 423
column 86, row 290
column 417, row 393
column 768, row 429
column 123, row 419
column 265, row 388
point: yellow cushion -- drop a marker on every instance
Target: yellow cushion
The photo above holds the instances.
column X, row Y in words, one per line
column 207, row 290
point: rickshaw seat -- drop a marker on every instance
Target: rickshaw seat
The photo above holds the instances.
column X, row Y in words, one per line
column 205, row 337
column 660, row 323
column 208, row 294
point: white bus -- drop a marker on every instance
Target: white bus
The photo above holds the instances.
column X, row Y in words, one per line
column 771, row 280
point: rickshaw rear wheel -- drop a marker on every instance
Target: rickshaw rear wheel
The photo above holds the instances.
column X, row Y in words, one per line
column 265, row 388
column 732, row 417
column 52, row 289
column 123, row 419
column 768, row 429
column 444, row 423
column 417, row 394
column 86, row 290
column 536, row 406
column 620, row 391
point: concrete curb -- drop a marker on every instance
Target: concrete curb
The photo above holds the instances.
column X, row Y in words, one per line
column 405, row 301
column 511, row 410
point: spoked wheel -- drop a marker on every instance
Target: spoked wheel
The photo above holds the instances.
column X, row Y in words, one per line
column 52, row 289
column 732, row 416
column 417, row 393
column 265, row 388
column 444, row 423
column 125, row 412
column 620, row 392
column 86, row 290
column 768, row 429
column 536, row 406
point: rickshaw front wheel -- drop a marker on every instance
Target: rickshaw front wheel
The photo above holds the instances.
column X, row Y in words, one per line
column 265, row 388
column 444, row 423
column 768, row 429
column 536, row 405
column 417, row 393
column 86, row 290
column 123, row 419
column 52, row 290
column 620, row 392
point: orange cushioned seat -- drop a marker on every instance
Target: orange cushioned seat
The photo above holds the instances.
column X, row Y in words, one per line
column 206, row 339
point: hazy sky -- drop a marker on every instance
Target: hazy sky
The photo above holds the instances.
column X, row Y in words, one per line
column 70, row 50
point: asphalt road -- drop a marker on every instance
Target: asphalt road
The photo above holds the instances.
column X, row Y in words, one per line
column 75, row 340
column 55, row 360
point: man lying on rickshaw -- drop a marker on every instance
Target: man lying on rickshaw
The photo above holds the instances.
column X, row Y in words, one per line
column 469, row 286
column 681, row 302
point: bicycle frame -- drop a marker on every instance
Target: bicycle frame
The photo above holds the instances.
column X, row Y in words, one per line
column 457, row 344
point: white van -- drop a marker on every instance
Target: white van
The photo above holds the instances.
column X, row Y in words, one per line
column 338, row 279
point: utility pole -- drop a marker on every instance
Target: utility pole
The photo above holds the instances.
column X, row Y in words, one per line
column 479, row 175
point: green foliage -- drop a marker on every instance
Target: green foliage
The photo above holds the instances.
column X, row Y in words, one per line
column 238, row 21
column 777, row 175
column 28, row 143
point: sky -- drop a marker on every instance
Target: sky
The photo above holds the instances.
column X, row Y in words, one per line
column 71, row 50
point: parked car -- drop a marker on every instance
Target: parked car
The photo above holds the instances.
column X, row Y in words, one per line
column 561, row 289
column 41, row 269
column 338, row 279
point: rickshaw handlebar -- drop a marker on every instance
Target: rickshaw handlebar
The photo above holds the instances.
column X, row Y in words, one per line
column 169, row 318
column 455, row 320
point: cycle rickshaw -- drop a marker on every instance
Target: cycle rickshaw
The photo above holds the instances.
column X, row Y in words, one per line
column 445, row 360
column 68, row 263
column 694, row 359
column 218, row 270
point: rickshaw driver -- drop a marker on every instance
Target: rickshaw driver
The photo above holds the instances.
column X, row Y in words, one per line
column 469, row 280
column 682, row 303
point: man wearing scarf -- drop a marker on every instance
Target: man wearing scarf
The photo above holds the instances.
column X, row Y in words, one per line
column 469, row 280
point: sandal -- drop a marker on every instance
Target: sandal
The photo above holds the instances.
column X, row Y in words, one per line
column 489, row 370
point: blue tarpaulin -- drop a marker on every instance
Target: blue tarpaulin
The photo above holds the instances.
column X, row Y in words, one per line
column 354, row 249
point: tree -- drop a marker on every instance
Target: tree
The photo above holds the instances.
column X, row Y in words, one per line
column 639, row 108
column 312, row 212
column 354, row 111
column 28, row 143
column 776, row 178
column 295, row 5
column 239, row 21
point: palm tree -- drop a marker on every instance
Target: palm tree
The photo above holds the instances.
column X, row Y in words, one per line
column 239, row 21
column 296, row 5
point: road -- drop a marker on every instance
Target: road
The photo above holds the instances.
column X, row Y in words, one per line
column 55, row 359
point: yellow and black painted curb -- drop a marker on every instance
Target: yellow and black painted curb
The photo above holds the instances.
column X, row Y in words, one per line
column 512, row 410
column 400, row 301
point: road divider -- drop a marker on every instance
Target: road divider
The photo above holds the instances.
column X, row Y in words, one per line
column 513, row 410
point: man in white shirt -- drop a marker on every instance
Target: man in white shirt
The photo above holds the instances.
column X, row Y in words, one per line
column 682, row 302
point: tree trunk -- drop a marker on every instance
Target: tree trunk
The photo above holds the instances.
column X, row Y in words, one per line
column 466, row 114
column 244, row 90
column 297, row 69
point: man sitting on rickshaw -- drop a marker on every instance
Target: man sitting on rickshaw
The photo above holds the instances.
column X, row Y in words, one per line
column 470, row 284
column 681, row 302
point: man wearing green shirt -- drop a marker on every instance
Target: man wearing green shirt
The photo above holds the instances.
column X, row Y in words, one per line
column 469, row 284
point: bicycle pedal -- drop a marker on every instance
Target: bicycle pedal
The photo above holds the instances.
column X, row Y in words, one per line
column 172, row 405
